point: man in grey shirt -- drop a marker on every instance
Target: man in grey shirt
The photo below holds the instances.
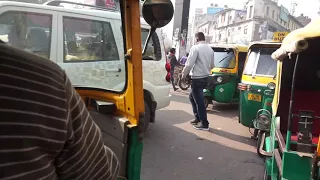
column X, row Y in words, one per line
column 198, row 66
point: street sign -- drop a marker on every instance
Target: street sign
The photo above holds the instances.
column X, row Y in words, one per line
column 213, row 10
column 279, row 36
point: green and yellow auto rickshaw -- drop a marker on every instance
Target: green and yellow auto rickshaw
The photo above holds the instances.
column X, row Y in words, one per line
column 229, row 62
column 257, row 87
column 292, row 147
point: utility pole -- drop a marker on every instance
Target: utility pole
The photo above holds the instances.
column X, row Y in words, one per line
column 319, row 9
column 293, row 7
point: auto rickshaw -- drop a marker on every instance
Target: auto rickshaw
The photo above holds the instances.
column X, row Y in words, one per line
column 292, row 148
column 257, row 87
column 229, row 62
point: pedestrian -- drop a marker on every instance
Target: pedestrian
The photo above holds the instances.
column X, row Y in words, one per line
column 46, row 131
column 183, row 60
column 173, row 63
column 198, row 66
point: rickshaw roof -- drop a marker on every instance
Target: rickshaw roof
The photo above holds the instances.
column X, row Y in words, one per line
column 264, row 44
column 238, row 47
column 296, row 41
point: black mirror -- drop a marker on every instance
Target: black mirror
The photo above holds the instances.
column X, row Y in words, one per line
column 157, row 13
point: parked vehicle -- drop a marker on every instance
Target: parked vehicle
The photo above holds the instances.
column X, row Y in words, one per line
column 74, row 40
column 292, row 147
column 104, row 66
column 229, row 62
column 257, row 88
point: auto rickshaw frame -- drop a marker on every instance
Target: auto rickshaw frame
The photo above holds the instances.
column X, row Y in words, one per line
column 296, row 110
column 223, row 82
column 253, row 111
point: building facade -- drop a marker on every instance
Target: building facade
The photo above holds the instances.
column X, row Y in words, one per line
column 256, row 22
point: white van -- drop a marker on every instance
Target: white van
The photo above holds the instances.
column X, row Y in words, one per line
column 88, row 44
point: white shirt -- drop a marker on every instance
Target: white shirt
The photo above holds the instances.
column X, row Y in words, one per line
column 200, row 61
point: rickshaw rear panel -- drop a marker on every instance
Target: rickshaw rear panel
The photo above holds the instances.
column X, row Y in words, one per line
column 229, row 60
column 307, row 90
column 258, row 73
column 295, row 126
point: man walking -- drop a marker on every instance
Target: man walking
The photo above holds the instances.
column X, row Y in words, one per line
column 173, row 63
column 198, row 66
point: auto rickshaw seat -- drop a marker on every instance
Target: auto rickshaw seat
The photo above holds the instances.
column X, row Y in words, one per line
column 303, row 100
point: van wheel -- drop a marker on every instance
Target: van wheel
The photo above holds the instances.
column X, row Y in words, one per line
column 147, row 116
column 259, row 142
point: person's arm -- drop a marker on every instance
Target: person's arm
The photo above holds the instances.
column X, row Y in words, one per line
column 193, row 55
column 84, row 155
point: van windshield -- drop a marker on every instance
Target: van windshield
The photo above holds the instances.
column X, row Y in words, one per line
column 224, row 58
column 260, row 62
column 90, row 49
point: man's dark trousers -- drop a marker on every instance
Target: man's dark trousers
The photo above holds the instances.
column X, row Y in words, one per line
column 197, row 100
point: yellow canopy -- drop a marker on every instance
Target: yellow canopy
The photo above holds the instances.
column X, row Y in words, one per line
column 295, row 42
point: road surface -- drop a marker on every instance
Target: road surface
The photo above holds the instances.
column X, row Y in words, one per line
column 173, row 150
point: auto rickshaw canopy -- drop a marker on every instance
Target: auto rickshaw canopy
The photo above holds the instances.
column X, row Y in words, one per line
column 295, row 42
column 236, row 47
column 263, row 44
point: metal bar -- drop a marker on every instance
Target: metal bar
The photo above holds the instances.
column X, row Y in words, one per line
column 291, row 103
column 58, row 2
column 281, row 141
column 263, row 152
column 278, row 160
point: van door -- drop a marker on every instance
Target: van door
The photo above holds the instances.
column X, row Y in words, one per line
column 90, row 45
column 30, row 29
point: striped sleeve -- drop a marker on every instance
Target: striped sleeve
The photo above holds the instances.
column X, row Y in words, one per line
column 84, row 155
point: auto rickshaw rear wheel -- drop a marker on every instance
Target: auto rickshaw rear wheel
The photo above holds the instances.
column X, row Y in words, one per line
column 265, row 175
column 206, row 102
column 259, row 142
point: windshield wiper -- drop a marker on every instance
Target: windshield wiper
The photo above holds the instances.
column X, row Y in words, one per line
column 224, row 57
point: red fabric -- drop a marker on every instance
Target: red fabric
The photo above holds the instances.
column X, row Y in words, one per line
column 168, row 77
column 303, row 100
column 315, row 138
column 168, row 66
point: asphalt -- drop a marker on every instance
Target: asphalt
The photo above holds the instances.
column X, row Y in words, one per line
column 173, row 150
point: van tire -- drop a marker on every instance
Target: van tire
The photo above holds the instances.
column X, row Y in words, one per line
column 147, row 116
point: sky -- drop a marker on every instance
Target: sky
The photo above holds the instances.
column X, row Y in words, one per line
column 307, row 7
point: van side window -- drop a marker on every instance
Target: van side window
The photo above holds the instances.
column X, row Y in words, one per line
column 87, row 40
column 153, row 51
column 27, row 31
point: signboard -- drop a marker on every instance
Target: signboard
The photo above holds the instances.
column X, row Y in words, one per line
column 213, row 10
column 279, row 36
column 109, row 4
column 284, row 14
column 198, row 11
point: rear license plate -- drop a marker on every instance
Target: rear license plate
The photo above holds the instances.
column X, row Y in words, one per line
column 254, row 97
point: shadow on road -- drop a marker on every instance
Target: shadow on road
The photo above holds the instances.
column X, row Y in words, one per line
column 173, row 153
column 228, row 110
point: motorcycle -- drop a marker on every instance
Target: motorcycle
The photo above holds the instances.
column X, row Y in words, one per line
column 184, row 83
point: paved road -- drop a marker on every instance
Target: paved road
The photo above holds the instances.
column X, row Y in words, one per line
column 173, row 149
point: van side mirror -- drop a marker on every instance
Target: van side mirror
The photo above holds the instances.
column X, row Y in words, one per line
column 157, row 13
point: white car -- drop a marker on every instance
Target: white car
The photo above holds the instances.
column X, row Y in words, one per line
column 88, row 44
